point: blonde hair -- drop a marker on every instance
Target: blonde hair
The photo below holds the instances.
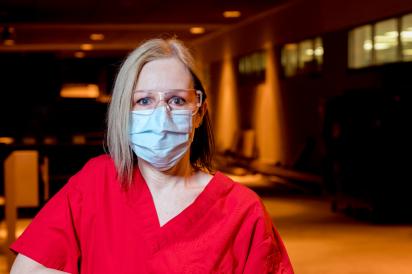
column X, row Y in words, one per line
column 121, row 103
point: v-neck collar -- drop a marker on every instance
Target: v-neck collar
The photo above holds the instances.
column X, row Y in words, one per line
column 141, row 201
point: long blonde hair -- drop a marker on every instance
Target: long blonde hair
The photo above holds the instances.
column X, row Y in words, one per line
column 121, row 104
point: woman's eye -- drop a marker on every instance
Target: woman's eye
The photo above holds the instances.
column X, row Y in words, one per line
column 143, row 101
column 177, row 100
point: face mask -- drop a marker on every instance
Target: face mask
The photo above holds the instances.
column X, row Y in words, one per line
column 161, row 138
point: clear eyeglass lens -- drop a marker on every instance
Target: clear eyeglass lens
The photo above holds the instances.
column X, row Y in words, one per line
column 177, row 99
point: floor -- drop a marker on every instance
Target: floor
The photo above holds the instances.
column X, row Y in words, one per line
column 319, row 241
column 21, row 225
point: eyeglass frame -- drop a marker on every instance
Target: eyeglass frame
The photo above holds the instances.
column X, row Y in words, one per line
column 161, row 97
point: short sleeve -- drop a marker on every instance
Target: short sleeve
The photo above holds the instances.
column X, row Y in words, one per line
column 51, row 238
column 267, row 252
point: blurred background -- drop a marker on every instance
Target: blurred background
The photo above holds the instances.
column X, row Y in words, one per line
column 309, row 102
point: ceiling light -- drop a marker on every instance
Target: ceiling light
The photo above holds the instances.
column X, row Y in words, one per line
column 197, row 30
column 79, row 54
column 231, row 14
column 86, row 46
column 97, row 36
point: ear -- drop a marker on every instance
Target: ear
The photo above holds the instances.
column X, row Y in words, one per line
column 200, row 114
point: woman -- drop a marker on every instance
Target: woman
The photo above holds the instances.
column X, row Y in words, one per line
column 152, row 206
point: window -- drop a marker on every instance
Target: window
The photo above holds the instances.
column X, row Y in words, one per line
column 252, row 67
column 318, row 51
column 290, row 59
column 305, row 54
column 386, row 41
column 406, row 37
column 360, row 47
column 303, row 57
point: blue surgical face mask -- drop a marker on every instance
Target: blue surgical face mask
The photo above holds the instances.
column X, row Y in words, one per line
column 159, row 136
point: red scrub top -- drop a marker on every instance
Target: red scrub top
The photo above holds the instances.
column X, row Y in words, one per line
column 92, row 225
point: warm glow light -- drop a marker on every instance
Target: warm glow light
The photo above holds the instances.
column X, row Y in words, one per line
column 79, row 54
column 197, row 30
column 392, row 34
column 406, row 35
column 232, row 14
column 79, row 139
column 227, row 123
column 97, row 36
column 309, row 52
column 6, row 140
column 407, row 52
column 267, row 113
column 252, row 63
column 292, row 46
column 382, row 46
column 367, row 45
column 385, row 39
column 319, row 51
column 79, row 91
column 9, row 42
column 104, row 98
column 86, row 46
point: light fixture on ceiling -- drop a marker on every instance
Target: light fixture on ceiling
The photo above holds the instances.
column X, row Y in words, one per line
column 232, row 14
column 86, row 46
column 197, row 30
column 97, row 36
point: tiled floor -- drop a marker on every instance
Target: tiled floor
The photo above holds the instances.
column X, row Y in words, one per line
column 320, row 242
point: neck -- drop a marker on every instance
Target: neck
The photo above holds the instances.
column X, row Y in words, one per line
column 158, row 180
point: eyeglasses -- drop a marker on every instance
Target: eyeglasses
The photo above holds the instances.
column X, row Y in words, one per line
column 174, row 99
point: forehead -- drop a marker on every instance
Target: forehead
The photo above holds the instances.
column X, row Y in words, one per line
column 165, row 73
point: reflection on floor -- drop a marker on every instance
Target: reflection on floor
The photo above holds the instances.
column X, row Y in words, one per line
column 319, row 241
column 21, row 225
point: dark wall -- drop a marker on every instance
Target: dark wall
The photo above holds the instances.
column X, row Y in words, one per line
column 295, row 21
column 30, row 84
column 30, row 106
column 305, row 96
